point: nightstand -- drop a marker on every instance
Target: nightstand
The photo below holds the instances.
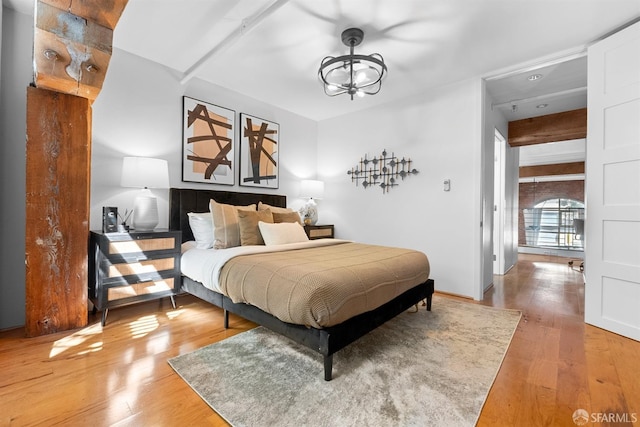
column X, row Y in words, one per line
column 131, row 267
column 319, row 231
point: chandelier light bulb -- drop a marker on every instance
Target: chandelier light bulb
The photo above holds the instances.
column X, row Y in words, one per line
column 361, row 77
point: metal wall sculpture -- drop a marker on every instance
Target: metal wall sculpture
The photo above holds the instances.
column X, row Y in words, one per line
column 382, row 171
column 208, row 141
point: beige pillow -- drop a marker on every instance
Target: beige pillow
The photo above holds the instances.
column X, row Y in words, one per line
column 287, row 217
column 248, row 222
column 273, row 209
column 226, row 231
column 284, row 232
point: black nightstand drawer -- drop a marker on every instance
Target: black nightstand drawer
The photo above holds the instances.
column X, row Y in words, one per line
column 319, row 231
column 123, row 292
column 134, row 245
column 139, row 267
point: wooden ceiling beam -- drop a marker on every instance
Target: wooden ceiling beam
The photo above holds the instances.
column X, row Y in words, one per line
column 101, row 12
column 73, row 44
column 563, row 126
column 554, row 169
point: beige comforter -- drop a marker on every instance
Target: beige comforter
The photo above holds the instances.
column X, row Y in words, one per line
column 323, row 286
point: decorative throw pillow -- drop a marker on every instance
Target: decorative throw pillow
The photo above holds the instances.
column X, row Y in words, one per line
column 226, row 231
column 202, row 228
column 281, row 233
column 273, row 209
column 248, row 222
column 287, row 217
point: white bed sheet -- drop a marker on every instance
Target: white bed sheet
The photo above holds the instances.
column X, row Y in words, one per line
column 204, row 265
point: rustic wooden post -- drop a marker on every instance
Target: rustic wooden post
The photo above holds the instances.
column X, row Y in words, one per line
column 71, row 50
column 57, row 211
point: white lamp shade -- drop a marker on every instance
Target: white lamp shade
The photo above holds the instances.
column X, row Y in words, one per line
column 144, row 172
column 312, row 188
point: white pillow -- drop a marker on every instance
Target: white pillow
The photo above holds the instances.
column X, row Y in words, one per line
column 202, row 227
column 282, row 232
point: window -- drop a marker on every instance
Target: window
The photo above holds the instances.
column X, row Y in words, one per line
column 555, row 223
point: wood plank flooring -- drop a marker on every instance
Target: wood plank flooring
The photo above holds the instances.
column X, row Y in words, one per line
column 119, row 376
column 556, row 363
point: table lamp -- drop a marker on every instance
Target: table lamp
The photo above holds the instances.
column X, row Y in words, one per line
column 311, row 189
column 145, row 173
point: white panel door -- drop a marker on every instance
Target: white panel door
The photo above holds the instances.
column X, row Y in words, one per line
column 612, row 245
column 499, row 200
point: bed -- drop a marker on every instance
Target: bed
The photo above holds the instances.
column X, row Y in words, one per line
column 326, row 340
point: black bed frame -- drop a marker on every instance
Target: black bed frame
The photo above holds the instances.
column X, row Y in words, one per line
column 325, row 341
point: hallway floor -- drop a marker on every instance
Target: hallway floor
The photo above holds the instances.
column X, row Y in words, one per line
column 556, row 363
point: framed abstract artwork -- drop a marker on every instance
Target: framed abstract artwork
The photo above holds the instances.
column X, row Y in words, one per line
column 207, row 143
column 259, row 152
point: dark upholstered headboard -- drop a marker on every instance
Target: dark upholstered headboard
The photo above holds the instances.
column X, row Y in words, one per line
column 185, row 200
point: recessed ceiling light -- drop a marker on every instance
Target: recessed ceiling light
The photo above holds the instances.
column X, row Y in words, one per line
column 534, row 77
column 542, row 105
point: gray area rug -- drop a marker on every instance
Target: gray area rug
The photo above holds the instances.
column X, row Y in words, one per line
column 427, row 368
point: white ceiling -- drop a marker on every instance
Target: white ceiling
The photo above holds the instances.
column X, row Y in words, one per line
column 553, row 152
column 561, row 86
column 270, row 50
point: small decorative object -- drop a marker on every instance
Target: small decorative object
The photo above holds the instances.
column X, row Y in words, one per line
column 382, row 170
column 145, row 173
column 109, row 219
column 259, row 152
column 122, row 227
column 208, row 140
column 311, row 189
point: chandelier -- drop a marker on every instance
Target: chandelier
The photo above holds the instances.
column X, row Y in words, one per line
column 353, row 74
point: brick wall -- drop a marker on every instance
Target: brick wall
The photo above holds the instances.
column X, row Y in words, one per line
column 533, row 193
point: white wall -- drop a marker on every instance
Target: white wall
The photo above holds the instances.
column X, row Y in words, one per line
column 16, row 74
column 440, row 131
column 509, row 205
column 139, row 113
column 487, row 191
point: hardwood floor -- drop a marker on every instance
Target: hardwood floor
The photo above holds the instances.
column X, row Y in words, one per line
column 119, row 375
column 556, row 363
